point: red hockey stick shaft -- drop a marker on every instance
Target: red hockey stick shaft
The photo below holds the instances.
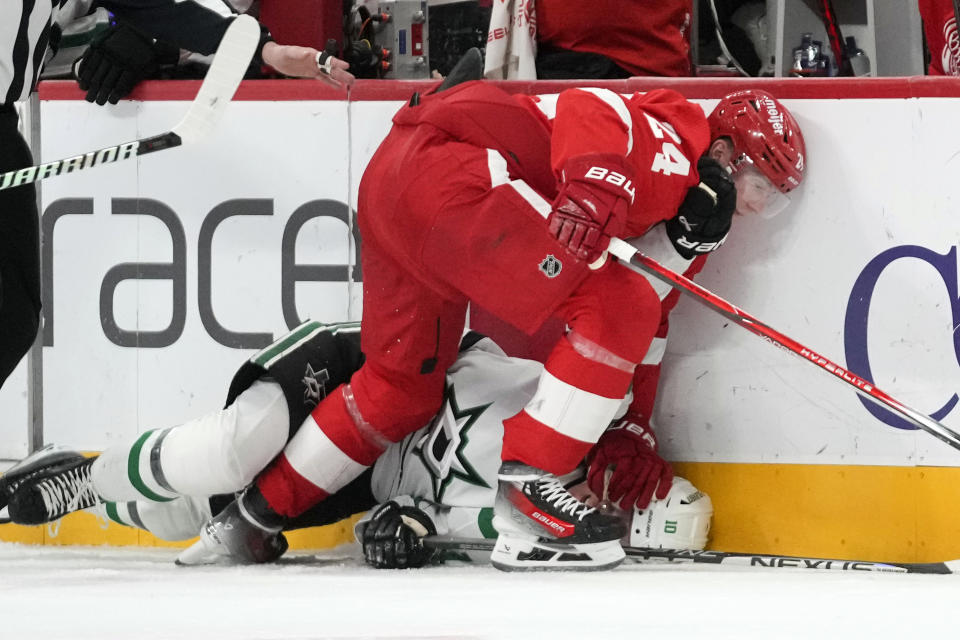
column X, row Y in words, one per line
column 867, row 389
column 837, row 44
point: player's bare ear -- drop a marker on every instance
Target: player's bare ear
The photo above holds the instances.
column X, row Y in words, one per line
column 721, row 150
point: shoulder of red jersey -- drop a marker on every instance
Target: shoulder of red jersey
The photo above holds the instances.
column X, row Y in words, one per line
column 687, row 118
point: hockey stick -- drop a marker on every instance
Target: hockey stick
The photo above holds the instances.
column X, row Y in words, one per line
column 727, row 558
column 628, row 254
column 229, row 64
column 837, row 43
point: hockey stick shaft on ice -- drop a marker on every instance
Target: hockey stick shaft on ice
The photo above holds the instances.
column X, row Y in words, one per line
column 726, row 559
column 626, row 253
column 230, row 62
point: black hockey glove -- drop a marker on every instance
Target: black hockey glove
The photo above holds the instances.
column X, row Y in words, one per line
column 393, row 537
column 116, row 61
column 703, row 220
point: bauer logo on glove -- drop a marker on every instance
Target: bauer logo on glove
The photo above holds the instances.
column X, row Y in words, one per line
column 705, row 215
column 624, row 467
column 591, row 206
column 614, row 178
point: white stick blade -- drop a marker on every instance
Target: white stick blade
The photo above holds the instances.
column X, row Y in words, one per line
column 230, row 62
column 953, row 565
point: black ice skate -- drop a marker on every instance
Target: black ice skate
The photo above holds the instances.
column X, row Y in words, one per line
column 52, row 491
column 542, row 526
column 28, row 468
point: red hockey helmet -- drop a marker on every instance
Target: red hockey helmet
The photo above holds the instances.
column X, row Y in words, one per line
column 764, row 134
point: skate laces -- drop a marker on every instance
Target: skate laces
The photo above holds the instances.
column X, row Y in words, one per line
column 66, row 492
column 98, row 510
column 555, row 493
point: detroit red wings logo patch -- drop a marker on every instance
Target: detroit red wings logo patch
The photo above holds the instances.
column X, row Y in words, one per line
column 950, row 56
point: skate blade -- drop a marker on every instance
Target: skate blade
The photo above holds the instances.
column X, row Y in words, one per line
column 49, row 454
column 523, row 554
column 201, row 553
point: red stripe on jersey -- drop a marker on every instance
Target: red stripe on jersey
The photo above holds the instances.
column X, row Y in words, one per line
column 286, row 491
column 530, row 441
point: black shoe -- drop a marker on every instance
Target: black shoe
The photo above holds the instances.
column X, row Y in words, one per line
column 52, row 492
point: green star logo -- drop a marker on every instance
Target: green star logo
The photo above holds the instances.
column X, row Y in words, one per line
column 442, row 450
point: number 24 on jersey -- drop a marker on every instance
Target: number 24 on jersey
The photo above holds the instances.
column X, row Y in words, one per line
column 670, row 160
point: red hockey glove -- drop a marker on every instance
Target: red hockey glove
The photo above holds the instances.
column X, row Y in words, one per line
column 638, row 472
column 592, row 205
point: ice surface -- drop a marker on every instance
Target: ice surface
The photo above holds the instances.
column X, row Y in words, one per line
column 135, row 593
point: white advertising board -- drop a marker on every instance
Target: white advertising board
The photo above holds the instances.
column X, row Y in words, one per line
column 861, row 268
column 168, row 271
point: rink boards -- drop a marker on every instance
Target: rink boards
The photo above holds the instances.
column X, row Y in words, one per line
column 162, row 274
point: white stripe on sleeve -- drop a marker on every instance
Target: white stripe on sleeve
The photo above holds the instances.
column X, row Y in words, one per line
column 315, row 457
column 499, row 176
column 571, row 411
column 615, row 101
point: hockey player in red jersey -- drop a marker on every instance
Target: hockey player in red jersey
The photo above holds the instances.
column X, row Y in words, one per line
column 509, row 202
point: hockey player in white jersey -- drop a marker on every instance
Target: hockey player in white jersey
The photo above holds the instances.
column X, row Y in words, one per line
column 440, row 479
column 447, row 472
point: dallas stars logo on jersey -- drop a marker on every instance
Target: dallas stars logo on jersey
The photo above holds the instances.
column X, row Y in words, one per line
column 441, row 449
column 314, row 385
